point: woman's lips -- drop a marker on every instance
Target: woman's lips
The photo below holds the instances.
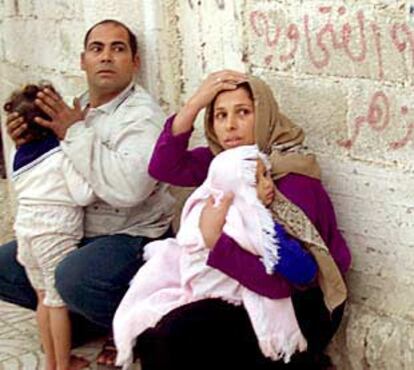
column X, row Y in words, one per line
column 233, row 142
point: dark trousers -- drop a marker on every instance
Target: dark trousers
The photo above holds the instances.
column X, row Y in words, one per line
column 91, row 280
column 212, row 334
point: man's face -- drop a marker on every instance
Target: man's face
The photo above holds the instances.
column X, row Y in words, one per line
column 107, row 60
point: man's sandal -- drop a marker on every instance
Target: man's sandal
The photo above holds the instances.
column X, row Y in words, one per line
column 107, row 356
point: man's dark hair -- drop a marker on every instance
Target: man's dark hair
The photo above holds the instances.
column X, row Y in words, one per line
column 133, row 44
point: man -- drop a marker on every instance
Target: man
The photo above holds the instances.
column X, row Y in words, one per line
column 108, row 135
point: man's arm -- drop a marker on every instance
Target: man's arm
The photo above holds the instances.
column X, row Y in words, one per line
column 117, row 172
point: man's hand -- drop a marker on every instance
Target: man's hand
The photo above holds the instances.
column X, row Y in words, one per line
column 16, row 128
column 212, row 219
column 62, row 116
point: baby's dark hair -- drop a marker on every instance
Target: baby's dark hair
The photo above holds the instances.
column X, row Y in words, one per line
column 23, row 102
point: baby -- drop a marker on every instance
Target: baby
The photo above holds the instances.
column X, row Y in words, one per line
column 49, row 222
column 186, row 276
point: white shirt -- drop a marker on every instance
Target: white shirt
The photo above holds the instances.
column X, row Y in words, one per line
column 111, row 149
column 51, row 180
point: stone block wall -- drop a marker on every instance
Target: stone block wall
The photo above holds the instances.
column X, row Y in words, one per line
column 343, row 70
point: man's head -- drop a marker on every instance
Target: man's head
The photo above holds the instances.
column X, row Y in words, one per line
column 110, row 60
column 133, row 43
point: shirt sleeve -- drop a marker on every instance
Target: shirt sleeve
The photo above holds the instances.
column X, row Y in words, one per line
column 173, row 163
column 79, row 189
column 115, row 171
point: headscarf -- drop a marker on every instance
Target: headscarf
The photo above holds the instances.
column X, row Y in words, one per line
column 282, row 141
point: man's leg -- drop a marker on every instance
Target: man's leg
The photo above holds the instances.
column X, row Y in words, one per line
column 93, row 279
column 14, row 286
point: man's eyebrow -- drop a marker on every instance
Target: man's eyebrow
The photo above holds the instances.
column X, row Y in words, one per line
column 118, row 43
column 95, row 43
column 100, row 43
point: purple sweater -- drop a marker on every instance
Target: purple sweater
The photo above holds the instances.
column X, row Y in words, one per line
column 173, row 163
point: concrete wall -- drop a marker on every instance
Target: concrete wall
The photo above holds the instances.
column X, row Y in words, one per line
column 344, row 70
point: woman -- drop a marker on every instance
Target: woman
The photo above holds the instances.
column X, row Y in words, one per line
column 212, row 334
column 176, row 272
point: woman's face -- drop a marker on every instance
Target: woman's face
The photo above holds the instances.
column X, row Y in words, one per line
column 233, row 118
column 264, row 184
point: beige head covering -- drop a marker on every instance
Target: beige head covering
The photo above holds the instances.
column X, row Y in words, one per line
column 282, row 140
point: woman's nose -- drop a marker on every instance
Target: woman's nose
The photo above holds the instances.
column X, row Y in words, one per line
column 231, row 122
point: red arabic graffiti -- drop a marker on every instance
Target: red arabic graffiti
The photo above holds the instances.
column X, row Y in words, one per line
column 335, row 35
column 321, row 43
column 378, row 119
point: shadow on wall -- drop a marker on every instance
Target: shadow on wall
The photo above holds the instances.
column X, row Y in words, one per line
column 2, row 163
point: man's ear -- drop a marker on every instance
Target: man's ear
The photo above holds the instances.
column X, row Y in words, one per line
column 137, row 63
column 82, row 61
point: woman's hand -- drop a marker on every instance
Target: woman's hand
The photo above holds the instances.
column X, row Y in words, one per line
column 212, row 219
column 213, row 84
column 210, row 87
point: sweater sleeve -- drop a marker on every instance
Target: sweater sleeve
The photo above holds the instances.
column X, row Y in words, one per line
column 173, row 163
column 247, row 269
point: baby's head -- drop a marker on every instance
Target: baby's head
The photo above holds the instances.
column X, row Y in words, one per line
column 264, row 183
column 23, row 102
column 244, row 171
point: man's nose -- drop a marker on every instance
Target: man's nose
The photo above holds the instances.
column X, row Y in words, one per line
column 106, row 55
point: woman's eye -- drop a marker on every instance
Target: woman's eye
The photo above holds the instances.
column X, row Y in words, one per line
column 220, row 116
column 244, row 112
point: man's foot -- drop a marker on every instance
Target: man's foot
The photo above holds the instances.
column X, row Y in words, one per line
column 107, row 356
column 78, row 363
